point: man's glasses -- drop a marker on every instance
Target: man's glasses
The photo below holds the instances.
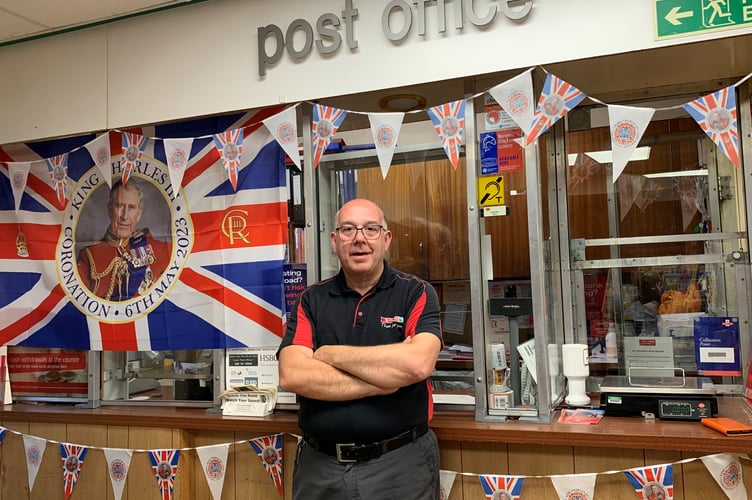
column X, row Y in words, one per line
column 370, row 231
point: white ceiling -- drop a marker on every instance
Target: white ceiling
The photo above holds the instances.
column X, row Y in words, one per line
column 22, row 19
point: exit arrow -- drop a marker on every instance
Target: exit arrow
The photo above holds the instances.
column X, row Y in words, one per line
column 675, row 17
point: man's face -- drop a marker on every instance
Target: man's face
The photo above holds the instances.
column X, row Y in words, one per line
column 360, row 255
column 125, row 212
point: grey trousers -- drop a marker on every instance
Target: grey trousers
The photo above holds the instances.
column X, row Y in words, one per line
column 407, row 473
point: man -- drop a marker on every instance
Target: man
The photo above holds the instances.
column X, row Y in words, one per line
column 358, row 351
column 656, row 493
column 127, row 261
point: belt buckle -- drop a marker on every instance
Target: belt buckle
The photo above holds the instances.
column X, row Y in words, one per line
column 339, row 453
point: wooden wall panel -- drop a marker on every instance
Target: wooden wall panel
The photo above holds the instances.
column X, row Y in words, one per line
column 402, row 196
column 540, row 460
column 450, row 459
column 482, row 458
column 601, row 460
column 13, row 482
column 446, row 217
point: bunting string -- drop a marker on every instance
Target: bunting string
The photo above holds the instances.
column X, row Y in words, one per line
column 724, row 467
column 708, row 111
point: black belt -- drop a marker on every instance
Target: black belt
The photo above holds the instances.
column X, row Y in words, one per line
column 351, row 452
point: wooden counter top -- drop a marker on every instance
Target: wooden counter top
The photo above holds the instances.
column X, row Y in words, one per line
column 611, row 432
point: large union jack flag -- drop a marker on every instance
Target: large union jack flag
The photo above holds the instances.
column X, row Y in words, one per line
column 656, row 480
column 716, row 115
column 222, row 287
column 72, row 456
column 556, row 100
column 501, row 487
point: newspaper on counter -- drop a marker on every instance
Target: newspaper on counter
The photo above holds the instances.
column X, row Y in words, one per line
column 248, row 401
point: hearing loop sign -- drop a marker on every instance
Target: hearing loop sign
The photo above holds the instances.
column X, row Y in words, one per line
column 491, row 190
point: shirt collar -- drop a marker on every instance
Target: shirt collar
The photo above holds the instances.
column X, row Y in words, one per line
column 386, row 280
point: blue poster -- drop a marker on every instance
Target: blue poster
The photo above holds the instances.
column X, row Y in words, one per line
column 717, row 346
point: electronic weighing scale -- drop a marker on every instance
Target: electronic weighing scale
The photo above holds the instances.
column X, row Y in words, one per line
column 668, row 398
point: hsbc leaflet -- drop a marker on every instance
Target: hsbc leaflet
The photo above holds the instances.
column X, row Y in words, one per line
column 256, row 366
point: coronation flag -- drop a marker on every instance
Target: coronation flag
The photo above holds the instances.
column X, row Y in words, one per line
column 446, row 481
column 716, row 115
column 213, row 460
column 177, row 152
column 34, row 449
column 385, row 128
column 556, row 100
column 133, row 148
column 99, row 149
column 230, row 146
column 18, row 174
column 574, row 486
column 652, row 480
column 284, row 127
column 164, row 465
column 223, row 285
column 727, row 471
column 3, row 432
column 326, row 121
column 72, row 457
column 269, row 451
column 515, row 96
column 628, row 124
column 58, row 168
column 506, row 487
column 118, row 463
column 449, row 122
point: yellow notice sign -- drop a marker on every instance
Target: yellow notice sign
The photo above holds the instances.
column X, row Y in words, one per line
column 491, row 190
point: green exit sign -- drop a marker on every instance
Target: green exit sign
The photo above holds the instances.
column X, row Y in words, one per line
column 691, row 17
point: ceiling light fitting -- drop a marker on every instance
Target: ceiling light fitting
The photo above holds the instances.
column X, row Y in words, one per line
column 402, row 102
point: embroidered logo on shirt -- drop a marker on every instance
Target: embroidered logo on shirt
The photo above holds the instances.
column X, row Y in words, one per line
column 392, row 322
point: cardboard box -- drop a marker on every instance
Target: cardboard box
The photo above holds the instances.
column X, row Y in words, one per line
column 677, row 325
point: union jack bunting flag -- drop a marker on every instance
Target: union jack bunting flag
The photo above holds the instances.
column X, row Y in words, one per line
column 164, row 464
column 133, row 148
column 716, row 115
column 58, row 167
column 202, row 270
column 449, row 122
column 269, row 451
column 326, row 121
column 498, row 487
column 230, row 146
column 3, row 432
column 72, row 456
column 656, row 482
column 556, row 100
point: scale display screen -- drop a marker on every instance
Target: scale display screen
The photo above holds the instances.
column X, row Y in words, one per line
column 684, row 409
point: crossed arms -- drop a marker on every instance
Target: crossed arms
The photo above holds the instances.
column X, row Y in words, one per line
column 342, row 372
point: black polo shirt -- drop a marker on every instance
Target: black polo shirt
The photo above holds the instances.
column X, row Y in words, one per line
column 330, row 313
